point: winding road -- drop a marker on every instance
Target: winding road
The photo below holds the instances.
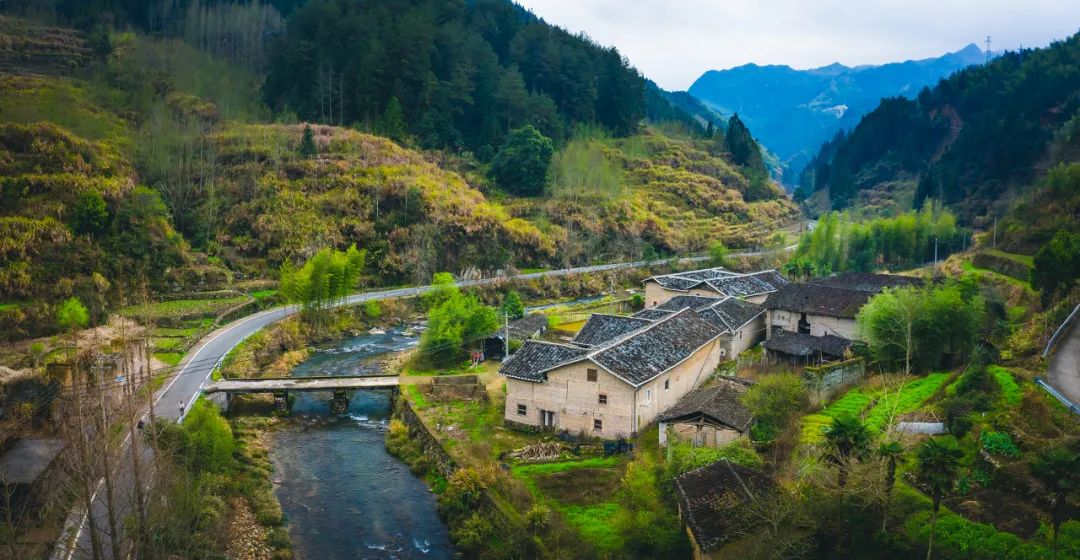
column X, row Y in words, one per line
column 1063, row 372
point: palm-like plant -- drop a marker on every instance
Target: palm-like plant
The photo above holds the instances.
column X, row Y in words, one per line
column 847, row 438
column 890, row 451
column 791, row 268
column 939, row 462
column 1059, row 471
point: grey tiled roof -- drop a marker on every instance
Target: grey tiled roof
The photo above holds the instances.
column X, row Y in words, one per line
column 527, row 326
column 28, row 460
column 697, row 303
column 799, row 344
column 747, row 285
column 735, row 312
column 706, row 496
column 657, row 348
column 724, row 282
column 867, row 282
column 535, row 358
column 721, row 404
column 652, row 314
column 818, row 299
column 601, row 328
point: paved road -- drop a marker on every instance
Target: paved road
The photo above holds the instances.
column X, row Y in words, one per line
column 192, row 373
column 1064, row 370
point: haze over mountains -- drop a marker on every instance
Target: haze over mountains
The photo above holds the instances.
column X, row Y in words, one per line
column 793, row 111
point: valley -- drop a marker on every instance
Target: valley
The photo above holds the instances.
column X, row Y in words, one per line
column 600, row 325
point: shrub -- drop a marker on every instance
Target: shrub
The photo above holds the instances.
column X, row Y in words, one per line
column 538, row 518
column 463, row 490
column 999, row 443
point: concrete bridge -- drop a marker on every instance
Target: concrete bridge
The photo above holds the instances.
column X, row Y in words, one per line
column 281, row 386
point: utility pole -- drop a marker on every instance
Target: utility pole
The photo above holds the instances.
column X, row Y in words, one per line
column 935, row 251
column 988, row 57
column 995, row 234
column 506, row 335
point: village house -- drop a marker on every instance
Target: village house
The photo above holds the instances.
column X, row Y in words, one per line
column 710, row 502
column 616, row 377
column 743, row 322
column 814, row 322
column 712, row 282
column 708, row 417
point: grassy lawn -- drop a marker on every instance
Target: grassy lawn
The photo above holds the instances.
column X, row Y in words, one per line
column 813, row 425
column 171, row 358
column 583, row 492
column 1010, row 390
column 908, row 399
column 967, row 266
column 182, row 308
column 1026, row 260
column 263, row 294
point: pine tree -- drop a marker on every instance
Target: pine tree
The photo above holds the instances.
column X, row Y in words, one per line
column 307, row 144
column 392, row 122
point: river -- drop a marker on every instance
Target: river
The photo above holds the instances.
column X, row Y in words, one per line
column 344, row 496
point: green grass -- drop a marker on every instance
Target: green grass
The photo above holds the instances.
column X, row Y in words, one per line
column 171, row 358
column 412, row 392
column 168, row 344
column 967, row 266
column 1026, row 260
column 165, row 332
column 182, row 308
column 563, row 466
column 912, row 396
column 10, row 306
column 263, row 294
column 813, row 425
column 532, row 270
column 594, row 522
column 1010, row 391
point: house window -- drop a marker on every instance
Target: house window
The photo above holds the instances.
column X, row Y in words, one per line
column 523, row 410
column 648, row 396
column 602, row 398
column 598, row 425
column 590, row 374
column 667, row 384
column 804, row 325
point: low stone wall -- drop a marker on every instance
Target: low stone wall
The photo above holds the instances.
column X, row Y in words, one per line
column 458, row 387
column 442, row 460
column 826, row 380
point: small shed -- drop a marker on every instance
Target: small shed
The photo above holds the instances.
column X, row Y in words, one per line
column 708, row 417
column 26, row 471
column 529, row 327
column 710, row 499
column 804, row 349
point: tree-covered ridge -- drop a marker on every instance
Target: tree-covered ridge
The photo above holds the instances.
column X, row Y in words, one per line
column 967, row 140
column 463, row 73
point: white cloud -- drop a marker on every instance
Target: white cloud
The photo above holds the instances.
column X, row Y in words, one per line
column 674, row 41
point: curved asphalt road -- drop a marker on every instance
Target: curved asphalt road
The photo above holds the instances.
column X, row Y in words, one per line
column 1063, row 373
column 197, row 366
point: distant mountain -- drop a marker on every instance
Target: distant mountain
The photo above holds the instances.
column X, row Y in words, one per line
column 974, row 141
column 792, row 112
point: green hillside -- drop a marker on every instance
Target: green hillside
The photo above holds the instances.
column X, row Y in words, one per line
column 165, row 173
column 971, row 141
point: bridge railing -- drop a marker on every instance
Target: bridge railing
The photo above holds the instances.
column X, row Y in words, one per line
column 1057, row 395
column 1064, row 327
column 1050, row 345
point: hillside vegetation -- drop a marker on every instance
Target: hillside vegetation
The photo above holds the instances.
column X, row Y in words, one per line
column 164, row 173
column 970, row 141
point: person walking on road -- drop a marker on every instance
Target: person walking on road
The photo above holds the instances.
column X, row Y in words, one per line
column 181, row 409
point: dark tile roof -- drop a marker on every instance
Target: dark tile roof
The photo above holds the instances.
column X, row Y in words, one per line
column 818, row 299
column 706, row 496
column 721, row 404
column 735, row 312
column 676, row 282
column 652, row 314
column 657, row 348
column 742, row 286
column 689, row 279
column 705, row 273
column 601, row 328
column 867, row 282
column 527, row 326
column 535, row 358
column 697, row 303
column 798, row 344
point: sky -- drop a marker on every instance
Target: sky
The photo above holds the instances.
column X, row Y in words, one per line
column 673, row 42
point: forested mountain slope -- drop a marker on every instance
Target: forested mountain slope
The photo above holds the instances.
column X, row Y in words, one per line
column 966, row 142
column 136, row 167
column 793, row 111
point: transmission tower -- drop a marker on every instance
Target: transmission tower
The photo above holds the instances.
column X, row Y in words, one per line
column 988, row 48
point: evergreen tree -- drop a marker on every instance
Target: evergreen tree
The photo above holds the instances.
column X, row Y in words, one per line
column 745, row 151
column 512, row 306
column 521, row 164
column 392, row 122
column 307, row 147
column 939, row 463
